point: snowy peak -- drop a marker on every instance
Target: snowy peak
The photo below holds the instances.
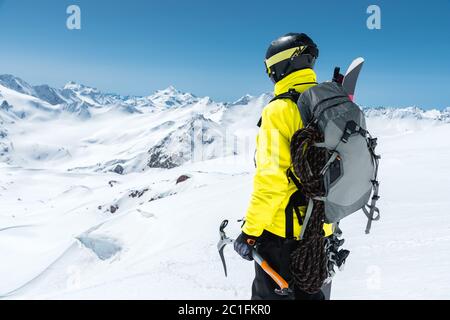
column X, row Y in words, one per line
column 76, row 87
column 248, row 100
column 198, row 139
column 171, row 97
column 170, row 91
column 17, row 84
column 245, row 100
column 413, row 113
column 43, row 92
column 79, row 92
column 72, row 85
column 49, row 94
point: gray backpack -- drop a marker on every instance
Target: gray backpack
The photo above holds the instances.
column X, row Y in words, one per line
column 350, row 174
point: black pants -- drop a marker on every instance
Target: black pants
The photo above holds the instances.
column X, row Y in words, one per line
column 277, row 251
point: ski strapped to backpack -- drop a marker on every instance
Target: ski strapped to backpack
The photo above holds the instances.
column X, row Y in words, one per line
column 350, row 174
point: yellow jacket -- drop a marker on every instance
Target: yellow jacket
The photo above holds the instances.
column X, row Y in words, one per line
column 272, row 189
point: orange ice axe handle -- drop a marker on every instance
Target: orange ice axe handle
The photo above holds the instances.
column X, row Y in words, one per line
column 284, row 289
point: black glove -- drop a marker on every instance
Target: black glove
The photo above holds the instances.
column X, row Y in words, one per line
column 244, row 245
column 337, row 76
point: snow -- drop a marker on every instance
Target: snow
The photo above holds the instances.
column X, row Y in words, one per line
column 71, row 228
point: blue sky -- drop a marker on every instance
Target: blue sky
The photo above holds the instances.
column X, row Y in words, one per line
column 217, row 48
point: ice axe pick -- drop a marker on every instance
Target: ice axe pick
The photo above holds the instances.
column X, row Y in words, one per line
column 283, row 289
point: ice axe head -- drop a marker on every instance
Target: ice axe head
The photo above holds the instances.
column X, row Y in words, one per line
column 223, row 225
column 283, row 289
column 224, row 240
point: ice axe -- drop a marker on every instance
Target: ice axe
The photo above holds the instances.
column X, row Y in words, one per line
column 283, row 289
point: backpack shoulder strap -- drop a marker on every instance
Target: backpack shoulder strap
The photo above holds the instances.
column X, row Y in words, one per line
column 297, row 199
column 291, row 95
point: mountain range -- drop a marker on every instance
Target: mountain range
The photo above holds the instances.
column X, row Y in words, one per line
column 162, row 130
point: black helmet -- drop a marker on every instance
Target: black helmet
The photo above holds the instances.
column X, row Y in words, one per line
column 291, row 52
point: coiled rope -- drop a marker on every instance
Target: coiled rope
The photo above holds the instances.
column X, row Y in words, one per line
column 309, row 260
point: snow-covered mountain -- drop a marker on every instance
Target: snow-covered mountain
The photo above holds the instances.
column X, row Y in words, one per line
column 159, row 127
column 155, row 131
column 109, row 196
column 16, row 84
column 414, row 113
column 171, row 98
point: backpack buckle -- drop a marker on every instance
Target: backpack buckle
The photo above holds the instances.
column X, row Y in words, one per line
column 350, row 128
column 373, row 143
